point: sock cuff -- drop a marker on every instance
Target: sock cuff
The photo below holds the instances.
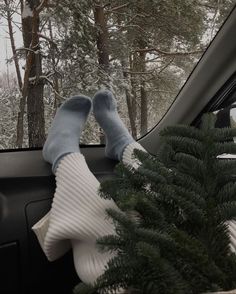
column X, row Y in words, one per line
column 128, row 156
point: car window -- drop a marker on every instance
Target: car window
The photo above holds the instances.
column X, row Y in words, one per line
column 143, row 51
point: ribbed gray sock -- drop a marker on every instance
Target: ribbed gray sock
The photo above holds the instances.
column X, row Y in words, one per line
column 66, row 128
column 117, row 135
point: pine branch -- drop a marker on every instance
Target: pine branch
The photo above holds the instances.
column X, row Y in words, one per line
column 223, row 134
column 227, row 193
column 186, row 145
column 184, row 197
column 183, row 131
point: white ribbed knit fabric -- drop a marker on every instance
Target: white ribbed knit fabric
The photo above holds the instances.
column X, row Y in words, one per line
column 77, row 217
column 232, row 231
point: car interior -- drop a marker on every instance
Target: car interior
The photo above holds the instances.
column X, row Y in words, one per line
column 27, row 184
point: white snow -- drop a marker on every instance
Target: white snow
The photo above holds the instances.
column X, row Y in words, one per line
column 27, row 12
column 31, row 79
column 227, row 156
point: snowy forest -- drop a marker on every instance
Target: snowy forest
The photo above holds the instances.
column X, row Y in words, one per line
column 142, row 50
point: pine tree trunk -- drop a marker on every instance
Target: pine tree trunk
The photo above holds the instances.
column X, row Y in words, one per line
column 20, row 117
column 102, row 37
column 33, row 90
column 133, row 61
column 102, row 47
column 143, row 95
column 55, row 76
column 133, row 66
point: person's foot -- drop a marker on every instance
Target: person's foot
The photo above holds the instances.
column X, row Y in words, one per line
column 67, row 126
column 117, row 135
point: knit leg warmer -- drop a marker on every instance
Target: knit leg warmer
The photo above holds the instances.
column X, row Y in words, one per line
column 77, row 217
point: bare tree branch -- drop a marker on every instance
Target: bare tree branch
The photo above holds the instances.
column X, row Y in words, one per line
column 118, row 7
column 25, row 49
column 48, row 39
column 53, row 88
column 139, row 72
column 41, row 6
column 166, row 65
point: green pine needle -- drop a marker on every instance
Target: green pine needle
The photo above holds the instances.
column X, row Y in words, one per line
column 179, row 240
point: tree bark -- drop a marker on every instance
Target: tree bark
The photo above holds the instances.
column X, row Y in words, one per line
column 102, row 37
column 126, row 61
column 134, row 66
column 102, row 47
column 144, row 109
column 33, row 89
column 143, row 96
column 129, row 101
column 55, row 76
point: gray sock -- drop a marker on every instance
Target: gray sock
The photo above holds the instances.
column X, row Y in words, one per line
column 117, row 135
column 67, row 126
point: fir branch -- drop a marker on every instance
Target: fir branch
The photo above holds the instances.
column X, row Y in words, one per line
column 223, row 134
column 225, row 166
column 152, row 214
column 227, row 193
column 225, row 147
column 151, row 175
column 183, row 131
column 111, row 243
column 152, row 163
column 183, row 198
column 188, row 182
column 198, row 200
column 187, row 208
column 185, row 162
column 121, row 220
column 186, row 145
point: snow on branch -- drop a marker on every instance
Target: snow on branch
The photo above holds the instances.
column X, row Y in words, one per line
column 139, row 72
column 22, row 49
column 27, row 11
column 175, row 53
column 25, row 49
